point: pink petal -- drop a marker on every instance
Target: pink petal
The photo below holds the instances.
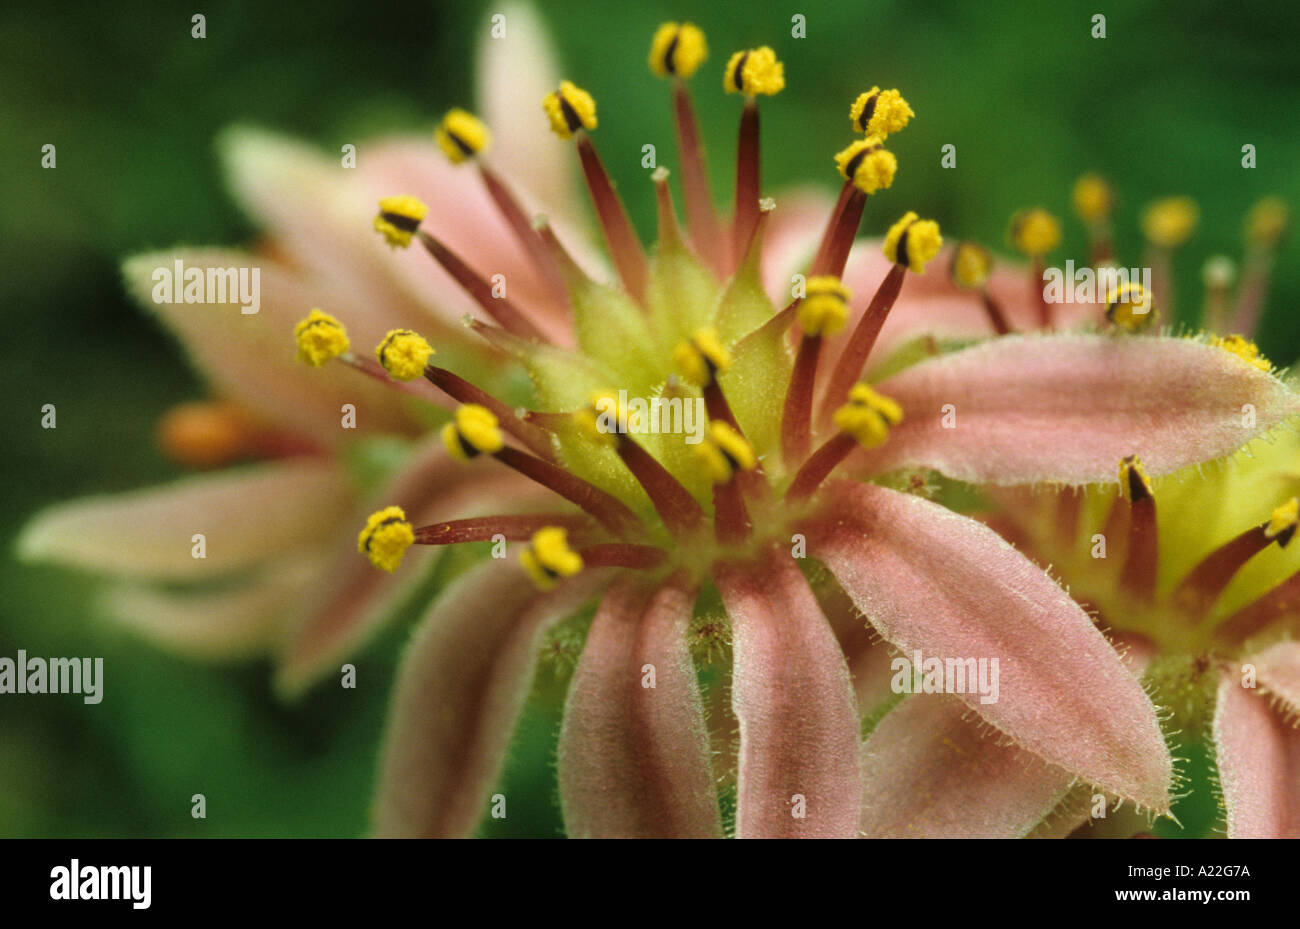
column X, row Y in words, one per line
column 928, row 772
column 1067, row 408
column 634, row 760
column 460, row 689
column 794, row 699
column 794, row 231
column 1278, row 671
column 247, row 516
column 934, row 581
column 342, row 614
column 1259, row 765
column 253, row 358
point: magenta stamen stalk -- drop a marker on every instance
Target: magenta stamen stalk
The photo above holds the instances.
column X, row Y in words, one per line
column 461, row 390
column 747, row 182
column 679, row 510
column 622, row 555
column 372, row 368
column 701, row 220
column 509, row 316
column 731, row 523
column 819, row 466
column 620, row 237
column 796, row 421
column 1203, row 585
column 1282, row 602
column 1138, row 575
column 607, row 509
column 842, row 228
column 996, row 317
column 514, row 527
column 1040, row 298
column 849, row 366
column 522, row 227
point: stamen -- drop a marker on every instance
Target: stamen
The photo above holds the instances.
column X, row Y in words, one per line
column 321, row 338
column 970, row 269
column 473, row 431
column 726, row 454
column 680, row 511
column 1218, row 274
column 1244, row 349
column 751, row 73
column 1167, row 224
column 513, row 527
column 868, row 164
column 386, row 537
column 1281, row 602
column 880, row 112
column 796, row 418
column 524, row 231
column 456, row 387
column 548, row 557
column 461, row 135
column 677, row 50
column 1129, row 307
column 700, row 360
column 607, row 509
column 1138, row 575
column 403, row 354
column 1093, row 202
column 501, row 309
column 864, row 420
column 398, row 219
column 1265, row 225
column 623, row 555
column 910, row 243
column 841, row 229
column 1035, row 233
column 1203, row 585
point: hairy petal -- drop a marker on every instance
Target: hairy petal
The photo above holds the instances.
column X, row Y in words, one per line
column 931, row 580
column 928, row 772
column 460, row 689
column 1067, row 408
column 794, row 699
column 1259, row 765
column 1278, row 670
column 634, row 760
column 342, row 613
column 247, row 516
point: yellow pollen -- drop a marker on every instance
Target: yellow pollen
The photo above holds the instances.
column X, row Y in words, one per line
column 398, row 219
column 570, row 108
column 1243, row 348
column 867, row 164
column 1129, row 307
column 1093, row 198
column 1035, row 232
column 548, row 557
column 1282, row 524
column 702, row 357
column 724, row 451
column 880, row 112
column 386, row 538
column 868, row 416
column 403, row 354
column 677, row 49
column 913, row 242
column 321, row 338
column 606, row 419
column 1267, row 221
column 754, row 72
column 971, row 265
column 474, row 431
column 461, row 135
column 1170, row 222
column 1134, row 485
column 824, row 309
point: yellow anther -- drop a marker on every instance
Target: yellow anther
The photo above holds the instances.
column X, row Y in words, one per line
column 386, row 538
column 399, row 217
column 880, row 112
column 321, row 338
column 1266, row 221
column 1129, row 307
column 677, row 49
column 971, row 265
column 474, row 431
column 825, row 306
column 702, row 358
column 1035, row 232
column 1170, row 222
column 1282, row 524
column 868, row 164
column 570, row 108
column 548, row 557
column 606, row 419
column 1134, row 485
column 1244, row 349
column 403, row 354
column 753, row 72
column 461, row 135
column 1093, row 198
column 868, row 416
column 724, row 451
column 913, row 242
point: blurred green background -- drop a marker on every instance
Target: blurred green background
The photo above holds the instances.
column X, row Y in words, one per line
column 133, row 103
